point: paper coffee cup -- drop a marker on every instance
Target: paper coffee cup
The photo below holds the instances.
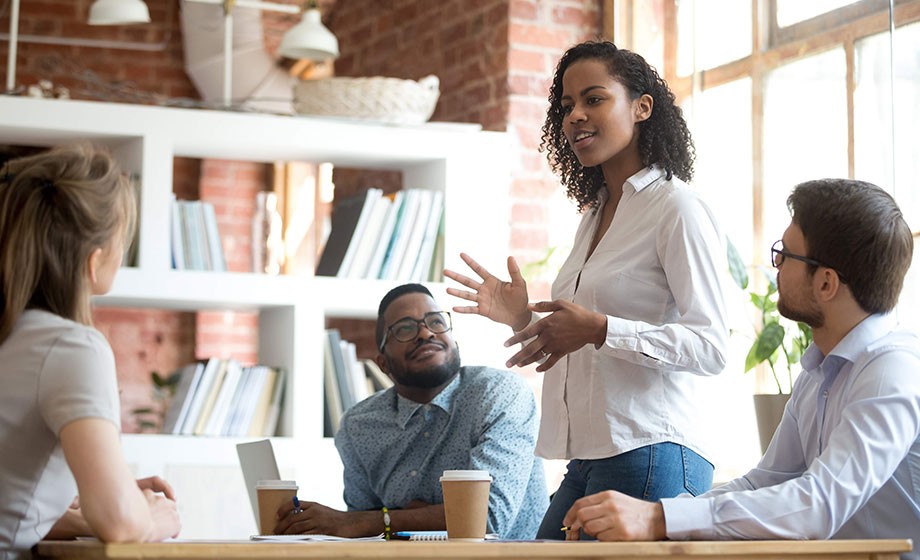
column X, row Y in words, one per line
column 466, row 504
column 272, row 494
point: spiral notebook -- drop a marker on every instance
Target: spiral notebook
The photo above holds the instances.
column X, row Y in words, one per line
column 431, row 536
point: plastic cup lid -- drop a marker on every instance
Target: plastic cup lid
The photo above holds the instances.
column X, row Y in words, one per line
column 282, row 484
column 466, row 475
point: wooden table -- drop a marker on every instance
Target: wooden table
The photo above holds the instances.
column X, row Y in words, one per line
column 403, row 550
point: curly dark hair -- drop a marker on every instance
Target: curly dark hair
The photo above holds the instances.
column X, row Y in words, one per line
column 664, row 138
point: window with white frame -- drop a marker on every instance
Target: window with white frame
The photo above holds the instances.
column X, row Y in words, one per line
column 777, row 92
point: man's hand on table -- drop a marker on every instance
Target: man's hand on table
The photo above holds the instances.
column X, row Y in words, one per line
column 317, row 519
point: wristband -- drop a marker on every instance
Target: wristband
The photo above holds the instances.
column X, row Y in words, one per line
column 386, row 523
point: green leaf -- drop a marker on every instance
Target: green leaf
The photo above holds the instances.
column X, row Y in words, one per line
column 157, row 380
column 795, row 353
column 759, row 301
column 769, row 306
column 768, row 341
column 736, row 265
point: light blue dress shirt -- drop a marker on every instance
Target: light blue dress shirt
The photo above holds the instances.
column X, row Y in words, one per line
column 845, row 460
column 394, row 450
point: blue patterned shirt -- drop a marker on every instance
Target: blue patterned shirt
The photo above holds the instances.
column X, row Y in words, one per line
column 394, row 449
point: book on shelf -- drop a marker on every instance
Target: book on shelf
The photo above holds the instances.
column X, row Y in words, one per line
column 270, row 427
column 416, row 236
column 382, row 244
column 343, row 380
column 371, row 196
column 345, row 216
column 243, row 408
column 375, row 375
column 210, row 399
column 194, row 237
column 194, row 260
column 354, row 370
column 436, row 271
column 332, row 407
column 421, row 271
column 229, row 385
column 368, row 242
column 189, row 376
column 238, row 403
column 215, row 249
column 256, row 424
column 202, row 391
column 176, row 237
column 401, row 233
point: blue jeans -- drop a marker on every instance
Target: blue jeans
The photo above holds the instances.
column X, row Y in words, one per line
column 663, row 470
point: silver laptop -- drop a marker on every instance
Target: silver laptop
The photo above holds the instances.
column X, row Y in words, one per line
column 257, row 460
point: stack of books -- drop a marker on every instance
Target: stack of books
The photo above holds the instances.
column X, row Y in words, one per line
column 195, row 240
column 347, row 379
column 397, row 237
column 220, row 397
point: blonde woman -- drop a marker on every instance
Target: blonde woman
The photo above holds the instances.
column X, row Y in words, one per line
column 64, row 219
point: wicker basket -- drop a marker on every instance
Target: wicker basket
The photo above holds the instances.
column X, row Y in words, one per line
column 390, row 100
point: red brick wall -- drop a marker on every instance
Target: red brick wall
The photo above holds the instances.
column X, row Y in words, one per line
column 463, row 43
column 539, row 32
column 231, row 186
column 112, row 74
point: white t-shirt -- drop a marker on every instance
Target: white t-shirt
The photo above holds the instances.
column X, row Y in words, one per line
column 52, row 371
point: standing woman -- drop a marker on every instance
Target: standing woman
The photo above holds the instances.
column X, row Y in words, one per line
column 64, row 219
column 637, row 314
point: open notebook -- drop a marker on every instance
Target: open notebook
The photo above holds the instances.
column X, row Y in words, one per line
column 257, row 460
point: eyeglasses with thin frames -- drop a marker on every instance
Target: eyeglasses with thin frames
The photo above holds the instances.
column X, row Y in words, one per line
column 780, row 255
column 407, row 328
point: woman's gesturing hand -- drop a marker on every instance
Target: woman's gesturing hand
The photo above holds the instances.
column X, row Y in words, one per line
column 503, row 302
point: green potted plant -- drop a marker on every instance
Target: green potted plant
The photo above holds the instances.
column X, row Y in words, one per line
column 777, row 342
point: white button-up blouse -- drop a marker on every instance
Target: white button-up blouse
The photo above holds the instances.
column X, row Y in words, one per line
column 655, row 274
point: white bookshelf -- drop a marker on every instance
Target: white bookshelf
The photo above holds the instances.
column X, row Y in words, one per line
column 470, row 166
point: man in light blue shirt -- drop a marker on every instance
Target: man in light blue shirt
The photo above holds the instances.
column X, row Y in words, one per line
column 438, row 416
column 845, row 460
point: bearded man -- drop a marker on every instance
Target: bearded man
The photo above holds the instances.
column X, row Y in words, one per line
column 438, row 416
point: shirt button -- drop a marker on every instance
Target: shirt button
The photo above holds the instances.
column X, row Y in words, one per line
column 413, row 473
column 426, row 434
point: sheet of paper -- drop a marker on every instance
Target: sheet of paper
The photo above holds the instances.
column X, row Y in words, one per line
column 312, row 538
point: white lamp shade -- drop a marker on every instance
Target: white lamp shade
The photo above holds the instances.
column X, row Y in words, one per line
column 309, row 39
column 118, row 12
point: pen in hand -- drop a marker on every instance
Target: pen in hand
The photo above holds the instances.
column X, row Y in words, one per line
column 297, row 508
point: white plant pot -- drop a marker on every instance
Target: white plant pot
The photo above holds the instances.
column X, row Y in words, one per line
column 769, row 411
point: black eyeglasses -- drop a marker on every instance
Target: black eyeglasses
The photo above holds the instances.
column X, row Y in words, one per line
column 407, row 328
column 780, row 255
